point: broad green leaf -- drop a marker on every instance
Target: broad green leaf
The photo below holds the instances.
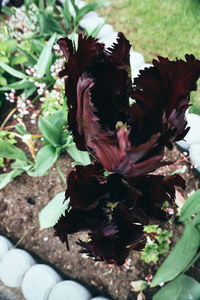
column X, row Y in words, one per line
column 10, row 151
column 191, row 206
column 45, row 159
column 3, row 81
column 50, row 133
column 182, row 288
column 18, row 59
column 30, row 57
column 80, row 157
column 51, row 213
column 11, row 45
column 45, row 56
column 37, row 46
column 179, row 258
column 57, row 119
column 12, row 71
column 6, row 178
column 19, row 85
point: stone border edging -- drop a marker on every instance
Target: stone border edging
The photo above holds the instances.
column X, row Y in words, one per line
column 37, row 281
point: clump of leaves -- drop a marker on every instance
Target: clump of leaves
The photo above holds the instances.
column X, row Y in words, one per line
column 158, row 243
column 10, row 138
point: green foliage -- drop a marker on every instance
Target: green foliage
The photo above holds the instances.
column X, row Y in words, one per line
column 50, row 214
column 157, row 243
column 182, row 288
column 180, row 257
column 190, row 207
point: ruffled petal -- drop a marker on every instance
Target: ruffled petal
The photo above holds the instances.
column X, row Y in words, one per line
column 162, row 95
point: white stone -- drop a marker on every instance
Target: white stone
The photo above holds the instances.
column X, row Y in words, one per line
column 105, row 30
column 91, row 22
column 5, row 246
column 99, row 298
column 183, row 145
column 109, row 39
column 193, row 136
column 136, row 60
column 194, row 152
column 38, row 282
column 69, row 290
column 136, row 73
column 14, row 265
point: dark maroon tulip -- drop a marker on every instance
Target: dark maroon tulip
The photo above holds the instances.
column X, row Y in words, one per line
column 125, row 140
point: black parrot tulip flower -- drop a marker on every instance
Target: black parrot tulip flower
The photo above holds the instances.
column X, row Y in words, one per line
column 127, row 140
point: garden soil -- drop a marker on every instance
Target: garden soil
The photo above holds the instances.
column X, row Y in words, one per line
column 23, row 198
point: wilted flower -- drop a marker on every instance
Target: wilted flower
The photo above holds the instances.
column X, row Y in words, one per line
column 126, row 139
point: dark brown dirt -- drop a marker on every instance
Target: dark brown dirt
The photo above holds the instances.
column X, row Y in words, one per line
column 17, row 216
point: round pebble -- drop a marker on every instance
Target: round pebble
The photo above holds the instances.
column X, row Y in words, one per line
column 91, row 23
column 109, row 39
column 14, row 265
column 136, row 60
column 194, row 152
column 69, row 290
column 38, row 282
column 105, row 30
column 5, row 245
column 193, row 136
column 99, row 298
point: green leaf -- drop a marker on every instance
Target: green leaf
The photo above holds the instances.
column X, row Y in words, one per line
column 57, row 119
column 18, row 59
column 12, row 71
column 10, row 151
column 29, row 91
column 45, row 56
column 21, row 129
column 7, row 10
column 19, row 85
column 37, row 46
column 6, row 178
column 45, row 159
column 3, row 80
column 182, row 288
column 191, row 206
column 50, row 133
column 67, row 16
column 48, row 25
column 80, row 157
column 51, row 213
column 30, row 57
column 179, row 258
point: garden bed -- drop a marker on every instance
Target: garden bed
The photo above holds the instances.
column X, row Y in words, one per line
column 22, row 200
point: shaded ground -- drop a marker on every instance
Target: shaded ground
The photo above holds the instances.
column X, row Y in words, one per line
column 19, row 219
column 10, row 293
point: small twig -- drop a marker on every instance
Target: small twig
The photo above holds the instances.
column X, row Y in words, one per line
column 7, row 118
column 21, row 239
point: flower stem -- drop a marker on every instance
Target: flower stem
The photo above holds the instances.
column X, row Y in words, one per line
column 60, row 173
